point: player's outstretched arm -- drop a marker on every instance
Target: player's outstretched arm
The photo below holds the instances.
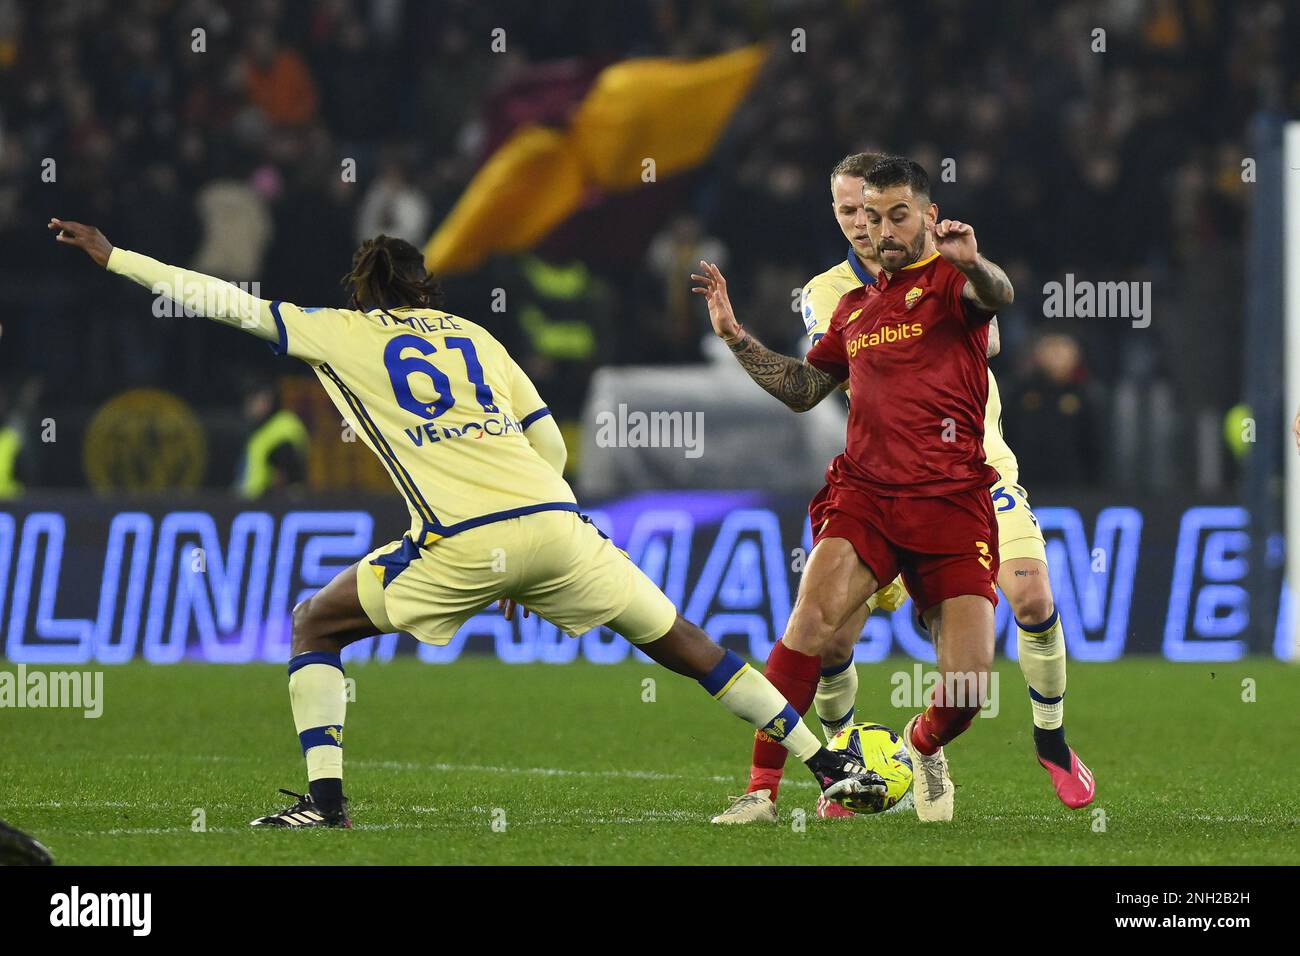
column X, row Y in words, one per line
column 201, row 294
column 987, row 286
column 796, row 383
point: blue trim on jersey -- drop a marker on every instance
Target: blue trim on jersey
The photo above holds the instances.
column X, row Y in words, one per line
column 859, row 270
column 331, row 658
column 593, row 525
column 837, row 669
column 780, row 726
column 447, row 530
column 397, row 560
column 1040, row 628
column 283, row 347
column 533, row 416
column 405, row 482
column 321, row 737
column 726, row 669
column 1045, row 700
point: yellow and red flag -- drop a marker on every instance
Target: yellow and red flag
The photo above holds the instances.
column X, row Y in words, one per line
column 671, row 112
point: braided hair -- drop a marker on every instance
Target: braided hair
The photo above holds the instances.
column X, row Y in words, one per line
column 388, row 272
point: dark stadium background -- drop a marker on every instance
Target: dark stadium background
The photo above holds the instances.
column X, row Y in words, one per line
column 1119, row 166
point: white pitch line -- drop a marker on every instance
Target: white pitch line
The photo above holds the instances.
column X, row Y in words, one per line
column 550, row 772
column 1241, row 818
column 461, row 824
column 139, row 831
column 59, row 804
column 442, row 767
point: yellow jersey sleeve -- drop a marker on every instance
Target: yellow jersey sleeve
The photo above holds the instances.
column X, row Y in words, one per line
column 308, row 334
column 201, row 294
column 819, row 299
column 311, row 334
column 522, row 393
column 822, row 293
column 996, row 450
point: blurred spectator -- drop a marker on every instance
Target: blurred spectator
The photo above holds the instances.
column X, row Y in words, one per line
column 1116, row 167
column 1051, row 417
column 561, row 311
column 394, row 207
column 279, row 83
column 236, row 230
column 674, row 254
column 15, row 412
column 275, row 455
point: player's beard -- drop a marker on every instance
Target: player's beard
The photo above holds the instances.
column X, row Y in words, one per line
column 918, row 247
column 914, row 252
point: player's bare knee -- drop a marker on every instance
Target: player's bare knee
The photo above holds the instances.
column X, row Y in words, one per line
column 301, row 616
column 305, row 629
column 1033, row 605
column 839, row 648
column 1028, row 590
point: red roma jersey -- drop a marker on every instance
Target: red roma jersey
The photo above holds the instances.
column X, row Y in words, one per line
column 913, row 352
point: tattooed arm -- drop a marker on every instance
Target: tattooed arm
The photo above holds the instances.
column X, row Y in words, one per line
column 987, row 286
column 796, row 383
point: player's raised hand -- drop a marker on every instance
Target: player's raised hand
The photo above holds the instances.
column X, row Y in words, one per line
column 1295, row 430
column 86, row 238
column 713, row 286
column 956, row 243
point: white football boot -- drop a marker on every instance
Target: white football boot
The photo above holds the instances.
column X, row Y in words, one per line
column 756, row 807
column 931, row 786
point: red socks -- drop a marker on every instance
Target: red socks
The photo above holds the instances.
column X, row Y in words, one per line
column 940, row 723
column 795, row 675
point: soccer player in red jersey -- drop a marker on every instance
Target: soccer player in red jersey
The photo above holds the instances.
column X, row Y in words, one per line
column 1023, row 576
column 910, row 493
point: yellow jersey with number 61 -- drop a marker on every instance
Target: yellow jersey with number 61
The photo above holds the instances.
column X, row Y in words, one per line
column 440, row 402
column 437, row 399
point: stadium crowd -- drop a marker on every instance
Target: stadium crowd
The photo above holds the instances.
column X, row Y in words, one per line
column 214, row 134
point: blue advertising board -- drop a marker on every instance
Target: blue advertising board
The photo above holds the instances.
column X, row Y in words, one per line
column 215, row 580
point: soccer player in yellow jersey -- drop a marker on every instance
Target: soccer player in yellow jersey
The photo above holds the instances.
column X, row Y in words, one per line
column 471, row 448
column 1022, row 576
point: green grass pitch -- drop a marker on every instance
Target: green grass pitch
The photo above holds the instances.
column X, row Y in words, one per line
column 585, row 771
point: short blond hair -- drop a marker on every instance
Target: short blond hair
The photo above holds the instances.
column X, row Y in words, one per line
column 854, row 164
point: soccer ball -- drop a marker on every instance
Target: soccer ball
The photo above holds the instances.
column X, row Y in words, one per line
column 877, row 748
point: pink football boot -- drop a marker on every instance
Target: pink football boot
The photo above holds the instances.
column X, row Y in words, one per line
column 1076, row 788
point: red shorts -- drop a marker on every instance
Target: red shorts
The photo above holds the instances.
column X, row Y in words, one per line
column 943, row 546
